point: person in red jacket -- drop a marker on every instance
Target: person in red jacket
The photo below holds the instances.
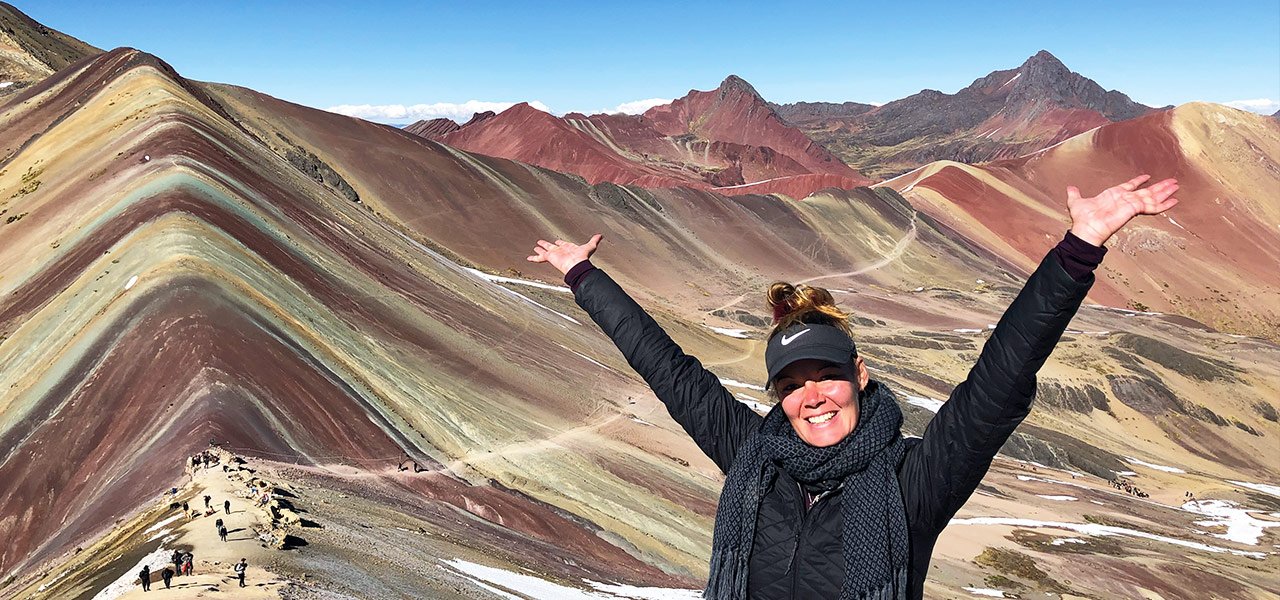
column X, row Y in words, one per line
column 823, row 496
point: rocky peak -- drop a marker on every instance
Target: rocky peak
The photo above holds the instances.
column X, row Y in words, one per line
column 1043, row 79
column 737, row 86
column 1046, row 62
column 480, row 116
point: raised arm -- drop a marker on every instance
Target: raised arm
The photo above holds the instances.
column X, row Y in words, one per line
column 957, row 448
column 694, row 396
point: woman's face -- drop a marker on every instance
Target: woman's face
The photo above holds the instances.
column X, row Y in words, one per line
column 820, row 398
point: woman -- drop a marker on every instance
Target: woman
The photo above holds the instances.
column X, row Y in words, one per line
column 824, row 497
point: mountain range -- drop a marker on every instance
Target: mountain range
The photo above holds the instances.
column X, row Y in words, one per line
column 339, row 312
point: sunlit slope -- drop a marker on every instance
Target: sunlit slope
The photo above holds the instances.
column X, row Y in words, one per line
column 304, row 294
column 1211, row 258
column 270, row 314
column 924, row 283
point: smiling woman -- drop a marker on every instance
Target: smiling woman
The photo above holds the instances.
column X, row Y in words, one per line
column 823, row 496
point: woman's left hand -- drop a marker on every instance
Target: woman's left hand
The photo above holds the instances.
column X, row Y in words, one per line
column 1096, row 219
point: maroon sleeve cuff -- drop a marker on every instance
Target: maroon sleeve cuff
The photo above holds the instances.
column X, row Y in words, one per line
column 1078, row 257
column 576, row 274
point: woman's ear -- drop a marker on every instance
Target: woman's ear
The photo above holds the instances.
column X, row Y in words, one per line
column 864, row 376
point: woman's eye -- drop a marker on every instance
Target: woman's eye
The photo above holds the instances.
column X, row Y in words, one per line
column 788, row 388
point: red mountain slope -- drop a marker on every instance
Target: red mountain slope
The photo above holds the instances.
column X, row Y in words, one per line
column 1212, row 257
column 727, row 139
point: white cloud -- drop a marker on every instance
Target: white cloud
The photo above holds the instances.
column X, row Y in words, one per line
column 1262, row 106
column 636, row 107
column 449, row 110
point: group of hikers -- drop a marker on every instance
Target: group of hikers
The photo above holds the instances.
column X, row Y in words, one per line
column 1124, row 485
column 204, row 459
column 183, row 564
column 209, row 511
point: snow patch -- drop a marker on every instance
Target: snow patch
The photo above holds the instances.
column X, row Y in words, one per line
column 590, row 360
column 163, row 523
column 928, row 404
column 1015, row 77
column 499, row 279
column 1274, row 490
column 731, row 382
column 495, row 280
column 967, row 330
column 1126, row 473
column 733, row 333
column 5, row 84
column 1101, row 530
column 132, row 280
column 1133, row 461
column 1241, row 527
column 1061, row 541
column 752, row 403
column 541, row 589
column 1058, row 498
column 157, row 560
column 985, row 592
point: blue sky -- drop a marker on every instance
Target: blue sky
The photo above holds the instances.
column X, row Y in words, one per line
column 580, row 56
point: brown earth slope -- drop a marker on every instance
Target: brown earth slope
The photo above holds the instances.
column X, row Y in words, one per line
column 30, row 51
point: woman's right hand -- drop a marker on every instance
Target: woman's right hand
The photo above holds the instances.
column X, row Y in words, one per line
column 564, row 255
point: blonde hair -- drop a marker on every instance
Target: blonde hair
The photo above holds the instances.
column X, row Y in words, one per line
column 792, row 304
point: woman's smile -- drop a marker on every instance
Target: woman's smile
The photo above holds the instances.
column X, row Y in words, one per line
column 820, row 399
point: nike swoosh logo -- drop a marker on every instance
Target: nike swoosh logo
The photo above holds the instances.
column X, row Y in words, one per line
column 791, row 338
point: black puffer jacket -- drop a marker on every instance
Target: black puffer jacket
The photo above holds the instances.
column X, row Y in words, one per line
column 796, row 554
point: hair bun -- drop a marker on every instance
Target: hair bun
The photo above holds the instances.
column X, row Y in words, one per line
column 792, row 304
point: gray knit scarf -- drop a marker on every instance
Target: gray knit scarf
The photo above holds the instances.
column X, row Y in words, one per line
column 874, row 520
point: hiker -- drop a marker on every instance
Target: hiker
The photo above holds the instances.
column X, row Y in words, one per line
column 218, row 524
column 145, row 576
column 167, row 575
column 188, row 563
column 824, row 497
column 222, row 533
column 226, row 506
column 177, row 560
column 207, row 498
column 240, row 569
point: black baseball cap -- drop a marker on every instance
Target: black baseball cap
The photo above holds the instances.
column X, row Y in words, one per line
column 806, row 340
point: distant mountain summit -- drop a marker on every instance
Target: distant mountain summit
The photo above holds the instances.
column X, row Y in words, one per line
column 30, row 51
column 1043, row 81
column 728, row 140
column 1005, row 114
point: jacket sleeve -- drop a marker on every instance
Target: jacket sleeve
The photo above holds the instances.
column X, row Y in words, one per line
column 694, row 396
column 942, row 470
